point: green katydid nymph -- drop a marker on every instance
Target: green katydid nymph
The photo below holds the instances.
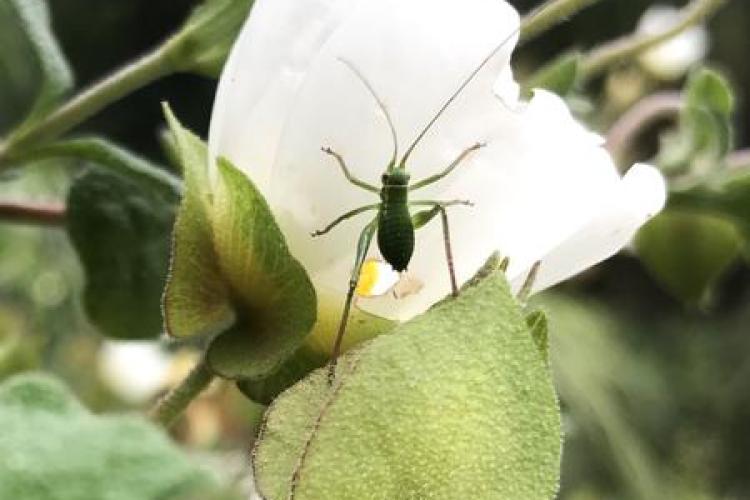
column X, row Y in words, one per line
column 395, row 222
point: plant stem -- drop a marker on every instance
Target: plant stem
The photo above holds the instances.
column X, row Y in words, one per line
column 148, row 69
column 548, row 14
column 171, row 406
column 633, row 45
column 51, row 214
column 644, row 113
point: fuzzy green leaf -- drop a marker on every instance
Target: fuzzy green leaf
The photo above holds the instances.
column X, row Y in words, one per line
column 232, row 271
column 203, row 44
column 196, row 298
column 56, row 76
column 453, row 404
column 52, row 448
column 687, row 252
column 121, row 233
column 539, row 328
column 276, row 297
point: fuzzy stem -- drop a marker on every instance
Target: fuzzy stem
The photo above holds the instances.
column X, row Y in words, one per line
column 644, row 113
column 51, row 214
column 140, row 73
column 166, row 411
column 548, row 14
column 631, row 46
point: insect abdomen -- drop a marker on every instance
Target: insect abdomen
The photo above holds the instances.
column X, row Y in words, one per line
column 396, row 235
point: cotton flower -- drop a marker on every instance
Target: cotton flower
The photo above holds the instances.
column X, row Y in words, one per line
column 543, row 188
column 672, row 59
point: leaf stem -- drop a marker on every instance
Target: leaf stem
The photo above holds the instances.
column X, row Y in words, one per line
column 171, row 406
column 47, row 214
column 644, row 113
column 140, row 73
column 631, row 46
column 548, row 14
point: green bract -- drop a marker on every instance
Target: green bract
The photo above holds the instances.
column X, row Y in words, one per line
column 52, row 448
column 202, row 45
column 231, row 272
column 453, row 404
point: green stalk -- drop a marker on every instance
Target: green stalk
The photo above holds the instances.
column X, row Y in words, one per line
column 631, row 46
column 549, row 14
column 170, row 407
column 140, row 73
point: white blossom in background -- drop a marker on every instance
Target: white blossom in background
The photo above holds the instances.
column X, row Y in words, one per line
column 673, row 58
column 543, row 188
column 135, row 371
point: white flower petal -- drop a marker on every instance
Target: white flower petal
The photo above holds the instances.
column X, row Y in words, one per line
column 135, row 370
column 640, row 195
column 263, row 72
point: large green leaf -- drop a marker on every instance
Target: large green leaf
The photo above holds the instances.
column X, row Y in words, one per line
column 203, row 44
column 57, row 78
column 454, row 404
column 688, row 251
column 232, row 271
column 120, row 230
column 52, row 448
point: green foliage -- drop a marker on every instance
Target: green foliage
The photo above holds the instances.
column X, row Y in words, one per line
column 232, row 271
column 203, row 43
column 18, row 352
column 453, row 404
column 56, row 76
column 52, row 448
column 726, row 194
column 278, row 300
column 687, row 252
column 539, row 329
column 704, row 134
column 120, row 230
column 559, row 75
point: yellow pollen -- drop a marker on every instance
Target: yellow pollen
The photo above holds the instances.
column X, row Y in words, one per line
column 368, row 277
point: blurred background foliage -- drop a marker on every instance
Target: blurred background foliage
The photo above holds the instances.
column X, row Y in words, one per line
column 655, row 385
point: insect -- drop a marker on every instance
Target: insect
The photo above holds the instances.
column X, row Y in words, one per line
column 395, row 223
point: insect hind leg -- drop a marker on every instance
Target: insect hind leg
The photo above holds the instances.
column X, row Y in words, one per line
column 420, row 219
column 363, row 245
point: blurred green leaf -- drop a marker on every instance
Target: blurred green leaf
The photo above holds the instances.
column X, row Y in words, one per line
column 57, row 77
column 558, row 76
column 232, row 271
column 203, row 43
column 18, row 350
column 703, row 137
column 687, row 251
column 121, row 232
column 454, row 404
column 725, row 195
column 52, row 448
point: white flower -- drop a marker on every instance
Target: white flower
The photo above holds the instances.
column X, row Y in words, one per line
column 672, row 59
column 543, row 188
column 135, row 370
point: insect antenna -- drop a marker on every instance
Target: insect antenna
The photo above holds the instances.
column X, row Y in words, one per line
column 457, row 93
column 381, row 105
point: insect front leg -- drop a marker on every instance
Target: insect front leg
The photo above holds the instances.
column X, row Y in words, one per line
column 433, row 179
column 347, row 173
column 363, row 245
column 420, row 219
